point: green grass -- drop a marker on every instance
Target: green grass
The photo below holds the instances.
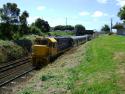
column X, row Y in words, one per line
column 99, row 71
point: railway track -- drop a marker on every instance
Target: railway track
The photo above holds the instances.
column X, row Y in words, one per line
column 14, row 70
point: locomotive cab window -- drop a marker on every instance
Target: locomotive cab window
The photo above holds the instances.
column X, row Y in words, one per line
column 41, row 42
column 44, row 42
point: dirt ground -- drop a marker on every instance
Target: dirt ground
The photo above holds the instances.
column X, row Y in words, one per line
column 58, row 75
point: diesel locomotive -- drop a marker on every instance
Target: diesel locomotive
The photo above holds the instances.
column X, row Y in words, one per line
column 46, row 49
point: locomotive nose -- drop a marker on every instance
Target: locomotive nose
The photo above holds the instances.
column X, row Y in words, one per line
column 39, row 54
column 40, row 50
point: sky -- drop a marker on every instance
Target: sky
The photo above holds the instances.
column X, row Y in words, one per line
column 92, row 14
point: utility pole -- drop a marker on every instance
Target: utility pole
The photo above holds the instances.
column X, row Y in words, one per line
column 66, row 21
column 111, row 25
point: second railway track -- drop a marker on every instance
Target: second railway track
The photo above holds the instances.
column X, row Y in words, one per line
column 14, row 70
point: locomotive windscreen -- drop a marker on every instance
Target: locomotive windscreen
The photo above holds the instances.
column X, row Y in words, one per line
column 42, row 42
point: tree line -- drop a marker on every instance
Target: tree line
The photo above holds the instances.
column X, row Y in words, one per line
column 13, row 24
column 78, row 29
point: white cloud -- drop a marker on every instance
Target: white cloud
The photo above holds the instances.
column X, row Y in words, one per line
column 99, row 14
column 120, row 2
column 84, row 13
column 41, row 8
column 102, row 1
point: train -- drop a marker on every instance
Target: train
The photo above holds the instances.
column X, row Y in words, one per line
column 46, row 49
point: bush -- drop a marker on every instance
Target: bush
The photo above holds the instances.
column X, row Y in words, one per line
column 29, row 37
column 111, row 33
column 26, row 42
column 35, row 30
column 16, row 36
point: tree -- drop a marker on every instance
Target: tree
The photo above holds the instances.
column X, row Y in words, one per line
column 118, row 26
column 105, row 29
column 9, row 16
column 23, row 18
column 42, row 25
column 59, row 27
column 10, row 13
column 23, row 22
column 80, row 29
column 11, row 22
column 121, row 13
column 69, row 27
column 35, row 30
column 63, row 27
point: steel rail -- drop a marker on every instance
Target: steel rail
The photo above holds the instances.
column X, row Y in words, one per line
column 14, row 62
column 14, row 65
column 18, row 76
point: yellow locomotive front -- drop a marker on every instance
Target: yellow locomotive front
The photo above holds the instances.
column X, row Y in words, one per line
column 43, row 50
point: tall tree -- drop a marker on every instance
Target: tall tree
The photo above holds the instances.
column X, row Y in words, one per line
column 9, row 17
column 23, row 17
column 10, row 13
column 23, row 22
column 11, row 22
column 42, row 25
column 80, row 29
column 121, row 13
column 105, row 29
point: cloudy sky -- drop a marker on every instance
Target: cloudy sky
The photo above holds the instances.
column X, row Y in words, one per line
column 93, row 14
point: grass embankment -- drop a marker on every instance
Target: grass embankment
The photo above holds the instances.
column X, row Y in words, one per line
column 97, row 67
column 10, row 51
column 102, row 69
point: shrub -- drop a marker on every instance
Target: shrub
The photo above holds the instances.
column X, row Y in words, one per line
column 16, row 36
column 26, row 42
column 35, row 30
